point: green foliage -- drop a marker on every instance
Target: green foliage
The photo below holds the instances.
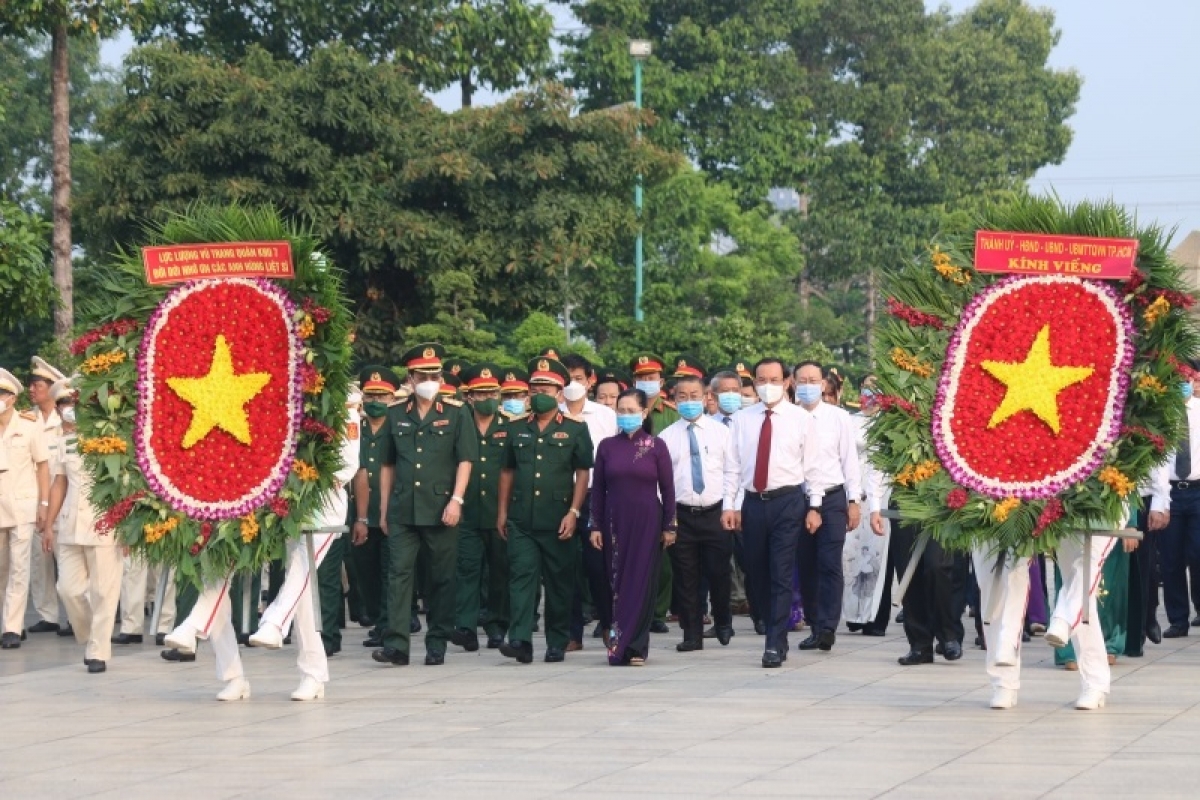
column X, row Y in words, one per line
column 26, row 288
column 21, row 18
column 900, row 440
column 108, row 397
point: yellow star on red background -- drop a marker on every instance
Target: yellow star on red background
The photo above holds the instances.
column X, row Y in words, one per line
column 1033, row 384
column 218, row 399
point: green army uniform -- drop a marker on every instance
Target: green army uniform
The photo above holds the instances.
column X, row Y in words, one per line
column 369, row 560
column 479, row 543
column 426, row 453
column 544, row 462
column 661, row 415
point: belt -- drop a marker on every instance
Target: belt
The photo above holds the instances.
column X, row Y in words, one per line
column 773, row 493
column 841, row 487
column 1185, row 485
column 699, row 509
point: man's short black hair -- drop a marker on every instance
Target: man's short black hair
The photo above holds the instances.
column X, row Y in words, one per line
column 576, row 361
column 787, row 372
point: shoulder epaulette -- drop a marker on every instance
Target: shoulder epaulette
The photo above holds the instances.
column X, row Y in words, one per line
column 515, row 418
column 667, row 403
column 29, row 415
column 574, row 418
column 450, row 401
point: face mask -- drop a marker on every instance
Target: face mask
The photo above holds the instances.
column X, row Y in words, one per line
column 485, row 408
column 67, row 414
column 651, row 388
column 729, row 401
column 628, row 423
column 748, row 401
column 690, row 409
column 808, row 393
column 1186, row 386
column 427, row 390
column 375, row 409
column 574, row 391
column 514, row 407
column 543, row 403
column 771, row 393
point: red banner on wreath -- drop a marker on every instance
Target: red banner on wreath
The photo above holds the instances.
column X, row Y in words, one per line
column 187, row 262
column 1043, row 254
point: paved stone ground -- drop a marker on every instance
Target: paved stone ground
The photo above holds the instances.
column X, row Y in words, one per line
column 850, row 723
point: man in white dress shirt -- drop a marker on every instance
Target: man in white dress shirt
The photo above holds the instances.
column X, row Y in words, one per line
column 832, row 464
column 706, row 487
column 1179, row 543
column 601, row 423
column 771, row 442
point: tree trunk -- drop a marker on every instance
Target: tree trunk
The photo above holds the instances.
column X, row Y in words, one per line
column 872, row 292
column 64, row 314
column 467, row 89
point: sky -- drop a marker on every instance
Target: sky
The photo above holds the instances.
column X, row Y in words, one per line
column 1138, row 116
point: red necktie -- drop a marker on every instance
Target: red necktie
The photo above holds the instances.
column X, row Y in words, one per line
column 762, row 462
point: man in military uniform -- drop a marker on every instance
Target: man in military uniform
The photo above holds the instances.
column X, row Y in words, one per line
column 369, row 556
column 41, row 570
column 426, row 467
column 24, row 502
column 648, row 375
column 514, row 394
column 478, row 541
column 542, row 489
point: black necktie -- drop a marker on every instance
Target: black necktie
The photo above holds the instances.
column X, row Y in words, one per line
column 1183, row 457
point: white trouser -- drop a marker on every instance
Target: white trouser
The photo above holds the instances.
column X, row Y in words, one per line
column 89, row 583
column 133, row 597
column 41, row 581
column 212, row 619
column 1003, row 598
column 294, row 602
column 14, row 574
column 1092, row 658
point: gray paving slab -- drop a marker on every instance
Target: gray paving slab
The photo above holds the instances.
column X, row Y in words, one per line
column 850, row 723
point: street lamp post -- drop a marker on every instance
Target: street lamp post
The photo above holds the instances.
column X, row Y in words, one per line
column 639, row 50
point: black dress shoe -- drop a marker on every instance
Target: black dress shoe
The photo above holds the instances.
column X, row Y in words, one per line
column 915, row 657
column 811, row 643
column 438, row 659
column 494, row 641
column 365, row 622
column 96, row 665
column 597, row 632
column 160, row 639
column 127, row 638
column 854, row 627
column 373, row 640
column 171, row 654
column 871, row 630
column 952, row 651
column 826, row 640
column 771, row 659
column 244, row 640
column 900, row 618
column 390, row 655
column 332, row 650
column 658, row 626
column 66, row 630
column 10, row 641
column 710, row 633
column 1173, row 632
column 43, row 626
column 939, row 649
column 760, row 627
column 724, row 634
column 467, row 640
column 521, row 651
column 1196, row 620
column 554, row 655
column 1154, row 632
column 415, row 625
column 688, row 645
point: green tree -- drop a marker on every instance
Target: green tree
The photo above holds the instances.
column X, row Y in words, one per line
column 26, row 288
column 456, row 322
column 723, row 80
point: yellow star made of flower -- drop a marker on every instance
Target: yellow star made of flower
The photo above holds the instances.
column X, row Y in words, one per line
column 218, row 399
column 1034, row 384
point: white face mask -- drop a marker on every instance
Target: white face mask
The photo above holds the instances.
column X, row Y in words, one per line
column 427, row 390
column 67, row 414
column 769, row 393
column 574, row 391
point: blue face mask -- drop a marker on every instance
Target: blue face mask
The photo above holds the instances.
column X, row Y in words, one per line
column 514, row 407
column 690, row 409
column 808, row 393
column 1186, row 386
column 628, row 423
column 730, row 402
column 651, row 388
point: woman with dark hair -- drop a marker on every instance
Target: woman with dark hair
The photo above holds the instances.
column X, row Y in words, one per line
column 632, row 521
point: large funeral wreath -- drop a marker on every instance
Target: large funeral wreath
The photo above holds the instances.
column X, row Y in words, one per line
column 1016, row 408
column 210, row 410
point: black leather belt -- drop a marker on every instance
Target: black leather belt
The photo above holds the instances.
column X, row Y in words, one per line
column 771, row 494
column 1185, row 485
column 699, row 509
column 841, row 487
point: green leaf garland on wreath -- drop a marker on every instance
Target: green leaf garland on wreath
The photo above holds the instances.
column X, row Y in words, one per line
column 246, row 375
column 1016, row 408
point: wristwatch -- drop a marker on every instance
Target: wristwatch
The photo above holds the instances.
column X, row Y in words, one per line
column 45, row 503
column 575, row 511
column 362, row 520
column 456, row 497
